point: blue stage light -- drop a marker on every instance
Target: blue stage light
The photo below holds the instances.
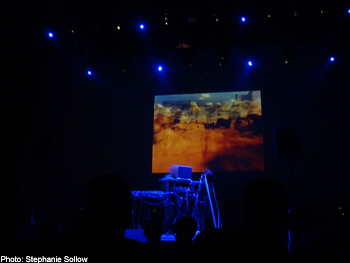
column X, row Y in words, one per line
column 89, row 72
column 332, row 59
column 142, row 26
column 243, row 19
column 348, row 11
column 160, row 68
column 250, row 63
column 50, row 34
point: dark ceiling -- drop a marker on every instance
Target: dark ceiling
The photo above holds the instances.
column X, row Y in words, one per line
column 202, row 24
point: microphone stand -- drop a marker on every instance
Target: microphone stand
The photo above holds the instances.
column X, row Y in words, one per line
column 216, row 221
column 210, row 202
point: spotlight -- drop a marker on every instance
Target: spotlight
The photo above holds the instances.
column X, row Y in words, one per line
column 89, row 72
column 331, row 59
column 142, row 26
column 243, row 19
column 348, row 11
column 160, row 68
column 250, row 63
column 50, row 34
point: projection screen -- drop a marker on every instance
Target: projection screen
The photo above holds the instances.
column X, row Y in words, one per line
column 221, row 131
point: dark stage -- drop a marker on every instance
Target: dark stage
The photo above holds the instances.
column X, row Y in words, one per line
column 88, row 91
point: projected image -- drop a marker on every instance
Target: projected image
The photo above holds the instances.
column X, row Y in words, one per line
column 217, row 131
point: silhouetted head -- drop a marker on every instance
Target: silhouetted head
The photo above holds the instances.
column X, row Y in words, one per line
column 173, row 170
column 185, row 229
column 109, row 204
column 264, row 204
column 153, row 231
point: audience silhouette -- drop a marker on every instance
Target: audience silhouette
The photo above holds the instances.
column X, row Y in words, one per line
column 218, row 245
column 153, row 233
column 265, row 211
column 10, row 203
column 185, row 230
column 184, row 248
column 102, row 239
column 109, row 208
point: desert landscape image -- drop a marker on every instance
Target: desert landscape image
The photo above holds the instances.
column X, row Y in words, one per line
column 218, row 131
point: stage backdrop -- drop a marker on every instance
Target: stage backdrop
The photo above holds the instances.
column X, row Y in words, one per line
column 220, row 131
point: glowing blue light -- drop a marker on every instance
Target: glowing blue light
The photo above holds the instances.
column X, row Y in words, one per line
column 348, row 11
column 50, row 34
column 243, row 19
column 250, row 63
column 89, row 72
column 160, row 68
column 332, row 59
column 142, row 26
